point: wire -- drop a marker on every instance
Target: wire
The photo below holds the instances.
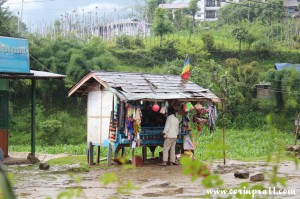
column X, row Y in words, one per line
column 37, row 1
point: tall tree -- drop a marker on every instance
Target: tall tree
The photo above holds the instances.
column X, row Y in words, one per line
column 8, row 25
column 161, row 25
column 240, row 34
column 193, row 9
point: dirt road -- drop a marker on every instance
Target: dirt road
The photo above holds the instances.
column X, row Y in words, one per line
column 153, row 181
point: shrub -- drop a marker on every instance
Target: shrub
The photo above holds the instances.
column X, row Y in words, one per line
column 208, row 41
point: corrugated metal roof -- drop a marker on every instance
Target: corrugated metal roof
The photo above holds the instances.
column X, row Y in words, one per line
column 290, row 3
column 281, row 66
column 34, row 74
column 140, row 86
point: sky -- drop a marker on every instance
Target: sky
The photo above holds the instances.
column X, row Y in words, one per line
column 35, row 12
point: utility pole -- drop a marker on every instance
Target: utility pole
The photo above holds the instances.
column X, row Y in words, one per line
column 21, row 16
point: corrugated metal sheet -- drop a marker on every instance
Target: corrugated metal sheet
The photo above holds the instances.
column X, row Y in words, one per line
column 281, row 66
column 140, row 86
column 34, row 74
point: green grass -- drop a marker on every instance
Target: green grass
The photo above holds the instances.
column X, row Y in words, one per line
column 241, row 144
column 246, row 144
column 79, row 149
column 74, row 159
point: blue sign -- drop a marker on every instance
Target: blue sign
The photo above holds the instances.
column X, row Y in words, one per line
column 14, row 55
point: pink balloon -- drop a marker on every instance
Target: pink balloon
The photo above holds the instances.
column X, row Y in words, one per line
column 155, row 108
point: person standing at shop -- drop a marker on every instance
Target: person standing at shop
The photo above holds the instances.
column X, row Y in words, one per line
column 170, row 135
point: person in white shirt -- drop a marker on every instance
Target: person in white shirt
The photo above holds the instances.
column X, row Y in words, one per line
column 170, row 135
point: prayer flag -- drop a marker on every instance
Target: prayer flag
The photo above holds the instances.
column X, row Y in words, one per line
column 186, row 72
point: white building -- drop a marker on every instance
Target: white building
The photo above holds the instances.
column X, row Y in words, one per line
column 130, row 27
column 207, row 8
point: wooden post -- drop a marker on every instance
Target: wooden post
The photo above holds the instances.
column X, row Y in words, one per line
column 223, row 132
column 33, row 99
column 123, row 152
column 109, row 154
column 91, row 154
column 98, row 154
column 297, row 128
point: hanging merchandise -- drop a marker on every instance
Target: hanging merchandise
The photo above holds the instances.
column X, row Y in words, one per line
column 188, row 144
column 198, row 106
column 185, row 124
column 212, row 116
column 188, row 107
column 155, row 107
column 164, row 108
column 200, row 117
column 129, row 119
column 113, row 121
column 121, row 115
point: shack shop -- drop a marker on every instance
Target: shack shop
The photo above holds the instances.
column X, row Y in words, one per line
column 14, row 65
column 130, row 110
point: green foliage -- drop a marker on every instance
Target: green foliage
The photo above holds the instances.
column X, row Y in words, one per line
column 208, row 41
column 247, row 144
column 78, row 149
column 240, row 34
column 127, row 42
column 161, row 25
column 8, row 22
column 167, row 52
column 49, row 128
column 6, row 189
column 268, row 13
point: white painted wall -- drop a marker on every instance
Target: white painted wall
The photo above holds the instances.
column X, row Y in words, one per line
column 99, row 108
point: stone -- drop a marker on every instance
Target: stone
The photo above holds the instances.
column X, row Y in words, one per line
column 242, row 175
column 289, row 148
column 258, row 177
column 296, row 148
column 32, row 158
column 44, row 166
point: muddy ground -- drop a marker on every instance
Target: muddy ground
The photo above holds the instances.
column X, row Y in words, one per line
column 153, row 181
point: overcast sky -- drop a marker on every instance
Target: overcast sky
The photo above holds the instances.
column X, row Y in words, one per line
column 39, row 11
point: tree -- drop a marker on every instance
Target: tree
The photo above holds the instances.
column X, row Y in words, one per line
column 193, row 9
column 240, row 33
column 8, row 22
column 235, row 13
column 273, row 11
column 161, row 25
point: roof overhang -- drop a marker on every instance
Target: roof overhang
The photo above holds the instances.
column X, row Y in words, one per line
column 34, row 74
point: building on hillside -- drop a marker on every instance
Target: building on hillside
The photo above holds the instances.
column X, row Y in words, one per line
column 207, row 8
column 281, row 66
column 263, row 90
column 130, row 27
column 291, row 7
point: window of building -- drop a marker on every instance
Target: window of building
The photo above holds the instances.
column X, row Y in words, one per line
column 210, row 14
column 210, row 3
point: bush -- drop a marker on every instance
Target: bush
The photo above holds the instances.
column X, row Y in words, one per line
column 208, row 41
column 263, row 49
column 128, row 42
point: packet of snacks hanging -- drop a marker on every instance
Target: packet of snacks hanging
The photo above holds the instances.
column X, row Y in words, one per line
column 188, row 107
